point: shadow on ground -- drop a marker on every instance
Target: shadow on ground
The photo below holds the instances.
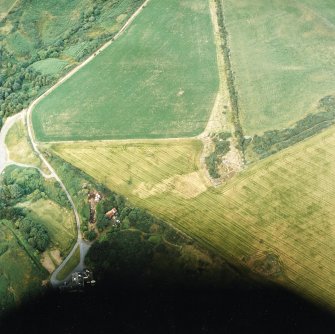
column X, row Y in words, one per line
column 109, row 308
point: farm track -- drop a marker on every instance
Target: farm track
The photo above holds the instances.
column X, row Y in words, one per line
column 4, row 156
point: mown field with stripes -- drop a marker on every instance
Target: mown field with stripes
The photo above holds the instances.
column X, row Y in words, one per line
column 275, row 218
column 159, row 79
column 140, row 169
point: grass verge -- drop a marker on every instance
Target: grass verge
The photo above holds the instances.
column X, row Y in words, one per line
column 70, row 265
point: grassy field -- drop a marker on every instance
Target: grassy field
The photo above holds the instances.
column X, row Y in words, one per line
column 19, row 277
column 49, row 66
column 58, row 221
column 5, row 6
column 276, row 217
column 19, row 147
column 70, row 265
column 282, row 58
column 159, row 79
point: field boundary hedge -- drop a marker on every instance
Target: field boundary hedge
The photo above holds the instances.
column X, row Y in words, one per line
column 233, row 94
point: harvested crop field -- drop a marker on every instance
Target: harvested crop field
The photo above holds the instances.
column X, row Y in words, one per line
column 275, row 218
column 159, row 79
column 141, row 168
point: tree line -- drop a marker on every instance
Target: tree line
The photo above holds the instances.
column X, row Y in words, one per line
column 233, row 94
column 273, row 141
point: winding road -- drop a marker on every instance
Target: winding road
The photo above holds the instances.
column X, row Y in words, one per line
column 4, row 157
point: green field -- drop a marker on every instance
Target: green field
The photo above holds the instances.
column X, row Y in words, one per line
column 19, row 276
column 42, row 40
column 49, row 66
column 275, row 218
column 282, row 55
column 70, row 265
column 159, row 79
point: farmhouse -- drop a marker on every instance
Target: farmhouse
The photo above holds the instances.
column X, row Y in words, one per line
column 110, row 214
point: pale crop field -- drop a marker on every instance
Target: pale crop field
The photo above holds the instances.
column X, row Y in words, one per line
column 277, row 217
column 142, row 168
column 282, row 55
column 158, row 80
column 19, row 147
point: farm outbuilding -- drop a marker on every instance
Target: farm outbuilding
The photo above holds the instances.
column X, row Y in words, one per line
column 110, row 214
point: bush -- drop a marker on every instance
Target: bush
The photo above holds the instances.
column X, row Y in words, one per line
column 273, row 141
column 35, row 233
column 222, row 146
column 90, row 235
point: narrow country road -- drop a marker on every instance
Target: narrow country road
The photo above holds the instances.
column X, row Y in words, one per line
column 10, row 121
column 80, row 242
column 84, row 245
column 4, row 158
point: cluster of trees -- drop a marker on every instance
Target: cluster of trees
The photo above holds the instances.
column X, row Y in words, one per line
column 19, row 184
column 130, row 217
column 80, row 184
column 275, row 140
column 125, row 254
column 230, row 78
column 19, row 83
column 35, row 233
column 222, row 146
column 22, row 184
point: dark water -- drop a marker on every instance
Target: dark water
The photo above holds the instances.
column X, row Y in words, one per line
column 109, row 308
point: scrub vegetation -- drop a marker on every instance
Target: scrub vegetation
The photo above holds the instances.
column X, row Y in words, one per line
column 5, row 7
